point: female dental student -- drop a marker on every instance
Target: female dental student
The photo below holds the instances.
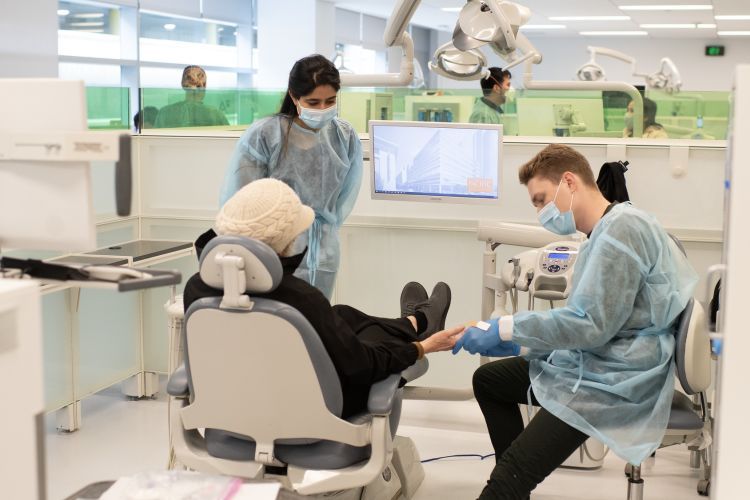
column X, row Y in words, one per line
column 312, row 150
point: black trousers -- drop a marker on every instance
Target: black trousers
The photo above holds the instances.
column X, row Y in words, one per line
column 371, row 329
column 523, row 457
column 394, row 332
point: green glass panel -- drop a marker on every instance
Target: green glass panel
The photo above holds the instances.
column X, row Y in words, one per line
column 545, row 113
column 228, row 108
column 108, row 107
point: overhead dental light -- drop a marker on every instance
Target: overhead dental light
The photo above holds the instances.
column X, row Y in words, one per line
column 667, row 78
column 457, row 64
column 591, row 71
column 484, row 22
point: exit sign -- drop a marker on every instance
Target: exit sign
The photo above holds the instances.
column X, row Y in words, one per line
column 714, row 50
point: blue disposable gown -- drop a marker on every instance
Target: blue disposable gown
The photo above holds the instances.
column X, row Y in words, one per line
column 323, row 167
column 603, row 363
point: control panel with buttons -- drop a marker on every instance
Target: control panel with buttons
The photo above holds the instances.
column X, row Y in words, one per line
column 557, row 259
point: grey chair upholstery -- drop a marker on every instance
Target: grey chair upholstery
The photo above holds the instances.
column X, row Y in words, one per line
column 688, row 422
column 238, row 384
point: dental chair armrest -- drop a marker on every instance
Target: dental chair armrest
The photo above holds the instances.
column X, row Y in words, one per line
column 178, row 383
column 382, row 395
column 416, row 370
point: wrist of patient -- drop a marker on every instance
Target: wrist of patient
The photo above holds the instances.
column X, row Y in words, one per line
column 421, row 350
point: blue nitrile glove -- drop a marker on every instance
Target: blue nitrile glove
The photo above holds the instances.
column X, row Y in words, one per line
column 486, row 342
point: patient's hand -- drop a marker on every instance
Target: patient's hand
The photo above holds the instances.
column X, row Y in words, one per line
column 443, row 340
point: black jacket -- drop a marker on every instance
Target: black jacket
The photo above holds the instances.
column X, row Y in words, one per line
column 358, row 364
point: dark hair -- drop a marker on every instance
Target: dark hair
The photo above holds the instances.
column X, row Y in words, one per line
column 553, row 161
column 149, row 116
column 497, row 76
column 649, row 112
column 307, row 74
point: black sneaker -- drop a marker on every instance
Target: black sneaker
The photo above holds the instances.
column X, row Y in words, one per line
column 412, row 294
column 435, row 309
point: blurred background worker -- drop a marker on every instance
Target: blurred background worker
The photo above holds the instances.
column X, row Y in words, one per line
column 487, row 109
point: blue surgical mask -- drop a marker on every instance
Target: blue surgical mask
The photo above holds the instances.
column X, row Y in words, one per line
column 317, row 118
column 556, row 222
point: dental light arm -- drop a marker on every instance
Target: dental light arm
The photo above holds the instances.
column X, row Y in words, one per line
column 525, row 52
column 395, row 36
column 667, row 78
column 592, row 71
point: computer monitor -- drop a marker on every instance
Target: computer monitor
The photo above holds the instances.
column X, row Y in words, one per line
column 435, row 161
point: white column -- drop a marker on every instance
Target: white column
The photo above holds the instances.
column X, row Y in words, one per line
column 288, row 32
column 733, row 405
column 28, row 39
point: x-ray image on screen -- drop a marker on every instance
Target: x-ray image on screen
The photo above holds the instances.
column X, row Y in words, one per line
column 434, row 160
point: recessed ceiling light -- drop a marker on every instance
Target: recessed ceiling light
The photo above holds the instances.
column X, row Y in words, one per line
column 669, row 26
column 707, row 25
column 542, row 27
column 589, row 18
column 451, row 9
column 733, row 33
column 90, row 15
column 666, row 7
column 63, row 12
column 613, row 33
column 88, row 23
column 170, row 26
column 742, row 17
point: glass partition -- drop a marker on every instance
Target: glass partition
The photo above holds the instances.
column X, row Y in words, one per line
column 527, row 113
column 178, row 108
column 108, row 107
column 549, row 113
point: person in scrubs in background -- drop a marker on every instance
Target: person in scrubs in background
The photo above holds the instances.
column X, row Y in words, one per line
column 495, row 86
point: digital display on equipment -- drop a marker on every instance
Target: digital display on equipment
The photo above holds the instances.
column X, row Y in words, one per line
column 562, row 256
column 435, row 160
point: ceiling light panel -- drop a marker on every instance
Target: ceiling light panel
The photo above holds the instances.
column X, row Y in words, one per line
column 733, row 18
column 542, row 27
column 669, row 26
column 589, row 18
column 613, row 33
column 666, row 7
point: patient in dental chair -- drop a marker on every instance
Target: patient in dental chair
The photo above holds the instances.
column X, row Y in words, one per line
column 364, row 349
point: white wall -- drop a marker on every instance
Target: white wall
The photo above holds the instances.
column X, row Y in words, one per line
column 28, row 39
column 562, row 56
column 285, row 35
column 385, row 244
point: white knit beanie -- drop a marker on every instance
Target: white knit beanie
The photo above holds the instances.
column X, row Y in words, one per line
column 267, row 210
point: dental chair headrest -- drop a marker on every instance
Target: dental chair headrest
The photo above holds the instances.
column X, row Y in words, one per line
column 262, row 267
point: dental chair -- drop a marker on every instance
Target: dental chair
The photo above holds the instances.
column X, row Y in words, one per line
column 689, row 422
column 258, row 379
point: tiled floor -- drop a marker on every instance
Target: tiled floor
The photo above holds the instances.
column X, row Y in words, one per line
column 121, row 437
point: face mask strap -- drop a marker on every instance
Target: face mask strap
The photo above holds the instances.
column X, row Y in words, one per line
column 570, row 208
